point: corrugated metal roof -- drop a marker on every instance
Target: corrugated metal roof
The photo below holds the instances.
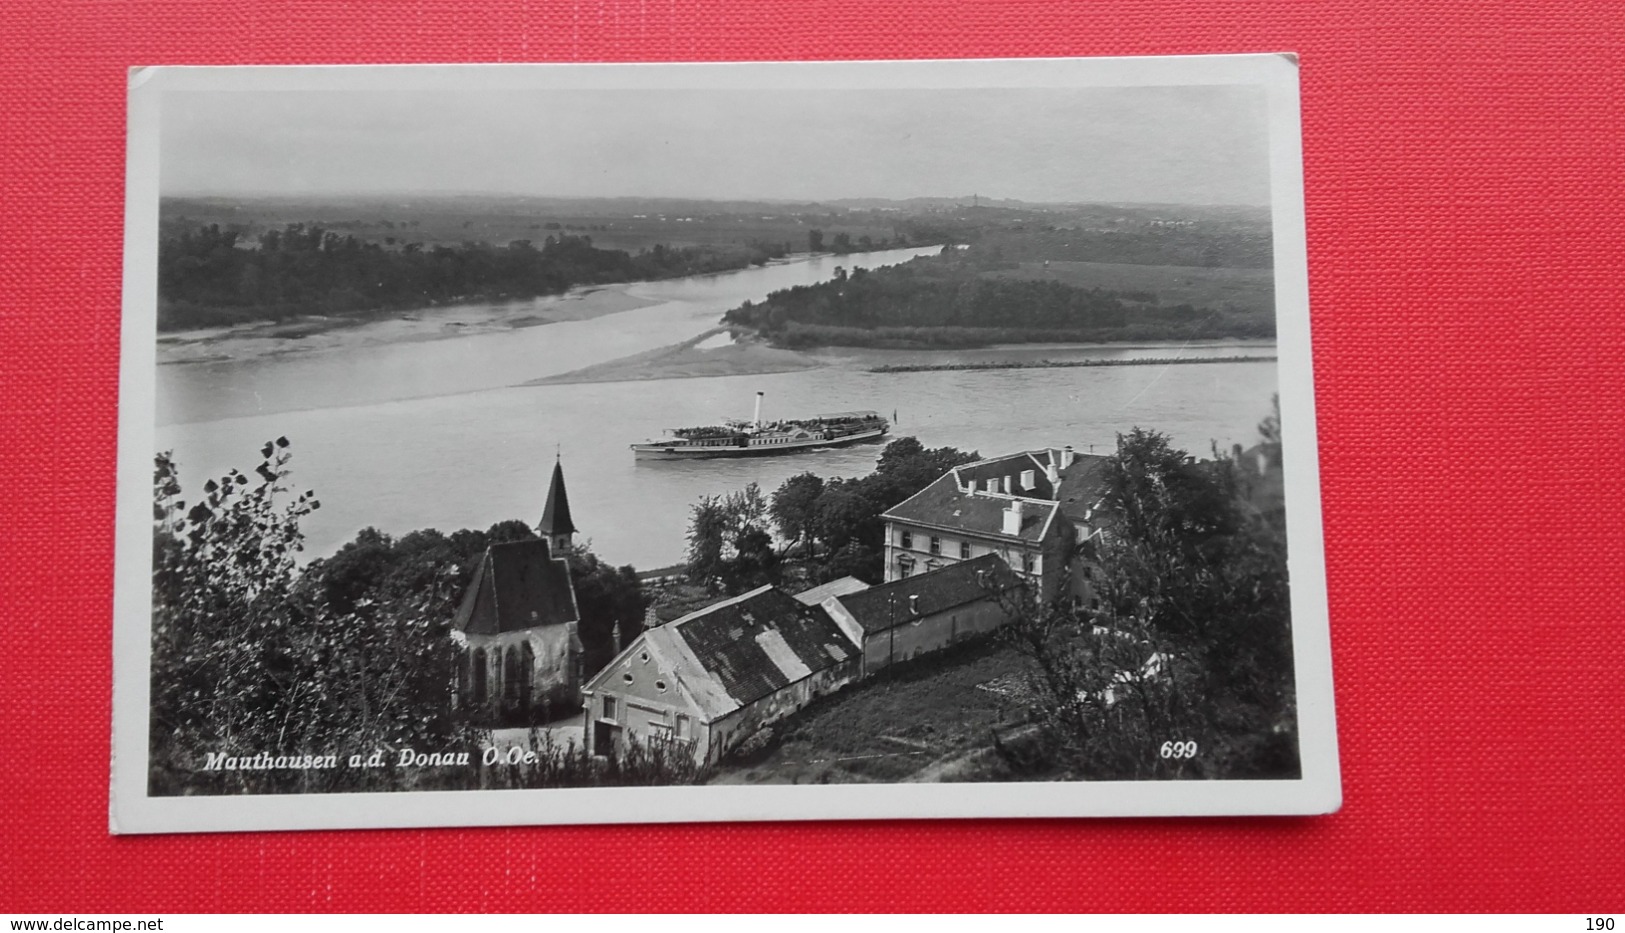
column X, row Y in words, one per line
column 839, row 587
column 759, row 643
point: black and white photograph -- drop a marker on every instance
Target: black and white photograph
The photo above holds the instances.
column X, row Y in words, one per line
column 639, row 443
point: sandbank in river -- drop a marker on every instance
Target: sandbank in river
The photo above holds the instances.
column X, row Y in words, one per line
column 747, row 355
column 264, row 339
column 691, row 359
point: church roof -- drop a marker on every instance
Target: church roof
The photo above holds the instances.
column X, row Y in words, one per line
column 556, row 514
column 518, row 585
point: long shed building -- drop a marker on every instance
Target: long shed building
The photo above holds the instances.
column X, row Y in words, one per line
column 706, row 681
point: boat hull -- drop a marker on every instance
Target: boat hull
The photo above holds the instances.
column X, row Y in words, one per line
column 658, row 451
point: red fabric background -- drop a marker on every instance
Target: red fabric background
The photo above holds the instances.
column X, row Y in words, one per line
column 1466, row 236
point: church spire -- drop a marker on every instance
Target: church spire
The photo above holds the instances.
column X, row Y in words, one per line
column 556, row 525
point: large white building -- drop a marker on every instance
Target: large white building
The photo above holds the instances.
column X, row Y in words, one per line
column 1035, row 510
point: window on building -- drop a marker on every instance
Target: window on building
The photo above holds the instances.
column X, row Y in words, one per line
column 936, row 545
column 905, row 567
column 1026, row 563
column 626, row 678
column 479, row 676
column 908, row 539
column 1094, row 602
column 609, row 707
column 1088, row 572
column 682, row 727
column 964, row 550
column 660, row 685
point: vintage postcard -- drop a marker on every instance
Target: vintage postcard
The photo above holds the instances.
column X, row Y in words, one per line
column 627, row 443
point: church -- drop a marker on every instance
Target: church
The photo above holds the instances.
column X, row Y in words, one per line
column 519, row 626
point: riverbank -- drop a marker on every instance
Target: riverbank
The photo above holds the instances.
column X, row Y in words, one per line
column 1068, row 364
column 724, row 351
column 261, row 340
column 691, row 359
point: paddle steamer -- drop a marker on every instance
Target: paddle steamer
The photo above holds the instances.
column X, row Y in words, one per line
column 756, row 437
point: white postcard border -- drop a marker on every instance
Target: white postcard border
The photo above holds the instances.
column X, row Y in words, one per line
column 1319, row 790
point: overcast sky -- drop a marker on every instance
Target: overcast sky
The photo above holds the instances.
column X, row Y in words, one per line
column 1197, row 145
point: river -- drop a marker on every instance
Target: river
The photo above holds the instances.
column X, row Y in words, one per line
column 439, row 433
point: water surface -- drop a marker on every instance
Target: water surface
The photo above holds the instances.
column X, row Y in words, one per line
column 438, row 434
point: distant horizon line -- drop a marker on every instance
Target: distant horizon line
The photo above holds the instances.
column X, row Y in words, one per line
column 992, row 200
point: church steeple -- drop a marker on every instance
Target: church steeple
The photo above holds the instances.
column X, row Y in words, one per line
column 555, row 525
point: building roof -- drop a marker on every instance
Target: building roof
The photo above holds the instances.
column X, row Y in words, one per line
column 1083, row 484
column 882, row 607
column 556, row 513
column 960, row 499
column 518, row 585
column 839, row 587
column 735, row 652
column 943, row 504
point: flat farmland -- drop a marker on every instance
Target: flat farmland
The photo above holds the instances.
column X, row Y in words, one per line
column 1249, row 290
column 452, row 221
column 929, row 722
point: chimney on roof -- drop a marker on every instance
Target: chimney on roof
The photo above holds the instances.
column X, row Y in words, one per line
column 1007, row 485
column 1052, row 474
column 1012, row 518
column 914, row 604
column 1067, row 456
column 992, row 485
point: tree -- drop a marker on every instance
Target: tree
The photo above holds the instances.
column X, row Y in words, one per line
column 848, row 511
column 795, row 509
column 707, row 540
column 611, row 600
column 912, row 466
column 1104, row 696
column 755, row 561
column 1191, row 639
column 248, row 657
column 729, row 545
column 815, row 240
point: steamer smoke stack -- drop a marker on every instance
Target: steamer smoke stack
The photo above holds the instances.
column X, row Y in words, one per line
column 758, row 419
